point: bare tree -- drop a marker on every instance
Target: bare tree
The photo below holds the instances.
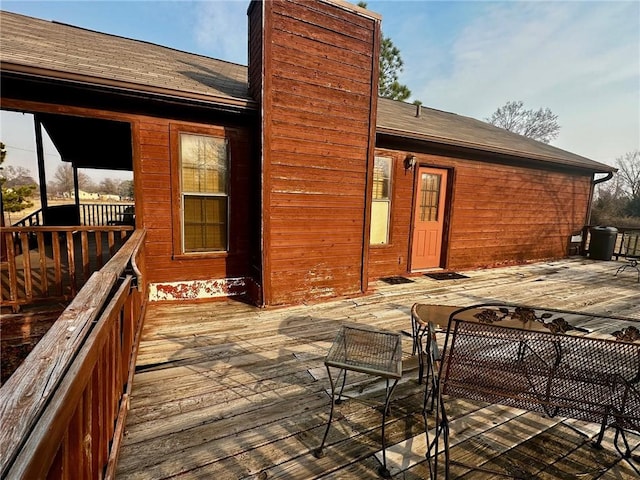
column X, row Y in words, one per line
column 617, row 201
column 541, row 125
column 63, row 179
column 16, row 176
column 109, row 186
column 610, row 201
column 629, row 172
column 125, row 189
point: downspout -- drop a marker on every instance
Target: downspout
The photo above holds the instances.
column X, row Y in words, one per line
column 603, row 179
column 595, row 182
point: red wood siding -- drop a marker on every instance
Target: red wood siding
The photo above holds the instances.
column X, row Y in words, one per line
column 153, row 194
column 499, row 214
column 317, row 115
column 160, row 205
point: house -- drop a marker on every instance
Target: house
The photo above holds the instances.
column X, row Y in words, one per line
column 289, row 180
column 82, row 195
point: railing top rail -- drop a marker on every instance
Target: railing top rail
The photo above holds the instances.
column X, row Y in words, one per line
column 74, row 228
column 121, row 259
column 29, row 219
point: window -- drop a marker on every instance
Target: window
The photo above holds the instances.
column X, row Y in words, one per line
column 381, row 201
column 204, row 190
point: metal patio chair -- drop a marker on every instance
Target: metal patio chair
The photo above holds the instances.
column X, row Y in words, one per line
column 630, row 250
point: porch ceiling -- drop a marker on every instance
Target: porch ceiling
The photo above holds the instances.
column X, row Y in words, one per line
column 90, row 142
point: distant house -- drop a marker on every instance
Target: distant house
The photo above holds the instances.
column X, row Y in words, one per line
column 289, row 180
column 82, row 195
column 108, row 197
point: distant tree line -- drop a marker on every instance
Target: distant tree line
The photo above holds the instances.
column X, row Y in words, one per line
column 62, row 183
column 18, row 187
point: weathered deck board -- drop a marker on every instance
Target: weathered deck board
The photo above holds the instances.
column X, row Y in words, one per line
column 223, row 389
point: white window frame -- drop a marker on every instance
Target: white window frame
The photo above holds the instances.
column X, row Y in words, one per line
column 184, row 194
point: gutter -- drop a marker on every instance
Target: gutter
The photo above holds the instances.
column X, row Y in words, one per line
column 603, row 179
column 483, row 148
column 126, row 87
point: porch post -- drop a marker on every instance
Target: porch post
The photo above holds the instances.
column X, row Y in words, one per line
column 76, row 187
column 42, row 176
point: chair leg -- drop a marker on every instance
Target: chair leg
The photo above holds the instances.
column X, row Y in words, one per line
column 382, row 470
column 603, row 426
column 416, row 348
column 627, row 453
column 318, row 453
column 441, row 423
column 420, row 365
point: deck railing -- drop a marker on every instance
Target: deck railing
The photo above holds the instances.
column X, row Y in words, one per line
column 63, row 410
column 32, row 220
column 103, row 213
column 89, row 214
column 618, row 245
column 52, row 263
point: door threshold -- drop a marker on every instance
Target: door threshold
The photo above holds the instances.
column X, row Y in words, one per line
column 428, row 270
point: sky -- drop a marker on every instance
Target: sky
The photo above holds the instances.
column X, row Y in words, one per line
column 581, row 59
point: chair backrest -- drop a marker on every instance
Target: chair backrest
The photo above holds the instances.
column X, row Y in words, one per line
column 541, row 368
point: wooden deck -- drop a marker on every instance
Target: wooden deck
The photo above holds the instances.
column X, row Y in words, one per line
column 227, row 391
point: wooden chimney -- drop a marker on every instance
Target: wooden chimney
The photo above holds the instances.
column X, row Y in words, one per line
column 313, row 68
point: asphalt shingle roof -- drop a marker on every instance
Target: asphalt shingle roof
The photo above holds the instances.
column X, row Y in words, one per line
column 66, row 52
column 63, row 50
column 399, row 118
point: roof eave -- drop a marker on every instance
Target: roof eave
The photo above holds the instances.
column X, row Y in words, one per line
column 480, row 147
column 128, row 87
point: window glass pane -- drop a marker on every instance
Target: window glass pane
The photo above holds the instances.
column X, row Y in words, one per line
column 204, row 164
column 381, row 178
column 429, row 197
column 381, row 201
column 205, row 223
column 379, row 222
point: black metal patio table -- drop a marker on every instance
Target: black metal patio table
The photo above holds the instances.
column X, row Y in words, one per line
column 373, row 352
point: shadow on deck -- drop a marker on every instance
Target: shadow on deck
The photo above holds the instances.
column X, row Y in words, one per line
column 228, row 391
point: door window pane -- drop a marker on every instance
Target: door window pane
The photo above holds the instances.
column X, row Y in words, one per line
column 429, row 197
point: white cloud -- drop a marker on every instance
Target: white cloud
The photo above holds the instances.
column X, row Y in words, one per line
column 581, row 59
column 221, row 30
